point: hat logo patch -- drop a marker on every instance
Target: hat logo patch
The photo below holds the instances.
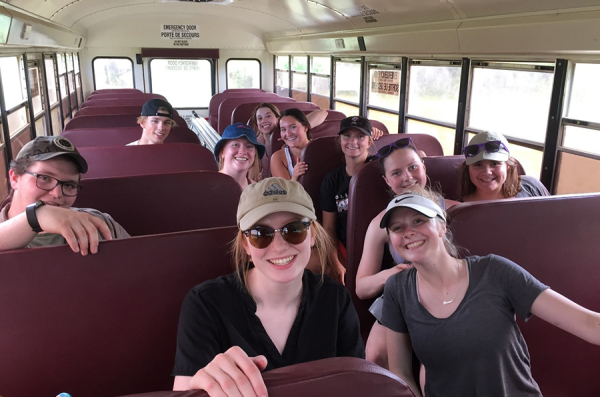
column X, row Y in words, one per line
column 63, row 143
column 402, row 199
column 274, row 189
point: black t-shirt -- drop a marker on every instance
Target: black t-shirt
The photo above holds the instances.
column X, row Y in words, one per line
column 220, row 313
column 334, row 198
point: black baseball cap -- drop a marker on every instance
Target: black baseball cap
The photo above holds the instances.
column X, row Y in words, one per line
column 151, row 107
column 47, row 147
column 361, row 123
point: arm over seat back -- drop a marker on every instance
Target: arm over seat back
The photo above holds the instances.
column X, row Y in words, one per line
column 322, row 155
column 113, row 161
column 103, row 324
column 164, row 203
column 367, row 197
column 338, row 376
column 555, row 238
column 123, row 135
column 113, row 121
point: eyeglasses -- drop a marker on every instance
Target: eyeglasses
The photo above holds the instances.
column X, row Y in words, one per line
column 488, row 147
column 399, row 144
column 48, row 183
column 261, row 236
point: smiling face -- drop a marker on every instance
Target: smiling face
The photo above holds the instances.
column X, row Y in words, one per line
column 403, row 170
column 156, row 130
column 280, row 261
column 26, row 191
column 355, row 143
column 488, row 176
column 293, row 132
column 414, row 236
column 238, row 155
column 266, row 120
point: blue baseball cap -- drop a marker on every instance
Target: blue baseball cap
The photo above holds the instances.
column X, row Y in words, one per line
column 239, row 130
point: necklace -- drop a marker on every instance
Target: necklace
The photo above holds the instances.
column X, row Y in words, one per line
column 444, row 302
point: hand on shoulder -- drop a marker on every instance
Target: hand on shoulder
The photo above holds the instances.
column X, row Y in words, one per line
column 232, row 373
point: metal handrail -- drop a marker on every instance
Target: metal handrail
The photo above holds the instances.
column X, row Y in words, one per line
column 207, row 135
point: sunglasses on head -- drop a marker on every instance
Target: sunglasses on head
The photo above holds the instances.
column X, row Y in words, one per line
column 399, row 144
column 293, row 233
column 488, row 147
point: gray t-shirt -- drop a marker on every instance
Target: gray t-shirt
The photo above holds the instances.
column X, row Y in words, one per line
column 531, row 187
column 478, row 350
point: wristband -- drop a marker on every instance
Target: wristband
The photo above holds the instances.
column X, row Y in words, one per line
column 32, row 217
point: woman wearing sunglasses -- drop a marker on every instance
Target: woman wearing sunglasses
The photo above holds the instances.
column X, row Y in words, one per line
column 458, row 314
column 490, row 173
column 271, row 312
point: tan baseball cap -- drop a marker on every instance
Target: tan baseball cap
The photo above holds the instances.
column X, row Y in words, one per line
column 273, row 195
column 47, row 147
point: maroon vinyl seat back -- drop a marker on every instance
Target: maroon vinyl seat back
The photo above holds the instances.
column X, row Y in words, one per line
column 555, row 238
column 126, row 96
column 104, row 324
column 117, row 91
column 134, row 101
column 215, row 102
column 322, row 155
column 230, row 104
column 122, row 136
column 164, row 203
column 243, row 111
column 112, row 121
column 427, row 143
column 444, row 174
column 133, row 111
column 114, row 161
column 368, row 196
column 338, row 376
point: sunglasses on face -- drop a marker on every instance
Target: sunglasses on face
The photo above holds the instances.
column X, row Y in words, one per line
column 488, row 147
column 293, row 233
column 399, row 144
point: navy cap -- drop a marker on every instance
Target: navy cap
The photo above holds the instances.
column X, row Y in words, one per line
column 239, row 130
column 361, row 123
column 151, row 107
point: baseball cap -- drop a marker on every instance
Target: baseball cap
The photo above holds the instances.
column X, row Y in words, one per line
column 273, row 195
column 500, row 155
column 361, row 123
column 47, row 147
column 410, row 200
column 239, row 130
column 151, row 107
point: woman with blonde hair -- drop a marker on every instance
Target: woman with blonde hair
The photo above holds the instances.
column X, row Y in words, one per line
column 271, row 312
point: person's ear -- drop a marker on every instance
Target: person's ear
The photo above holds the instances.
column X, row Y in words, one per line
column 14, row 179
column 246, row 246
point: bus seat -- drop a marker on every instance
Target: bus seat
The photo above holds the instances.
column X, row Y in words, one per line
column 379, row 125
column 427, row 143
column 444, row 173
column 188, row 201
column 135, row 101
column 122, row 136
column 113, row 161
column 215, row 102
column 228, row 106
column 112, row 121
column 133, row 111
column 239, row 90
column 117, row 91
column 555, row 238
column 126, row 95
column 322, row 155
column 337, row 376
column 104, row 324
column 367, row 196
column 243, row 112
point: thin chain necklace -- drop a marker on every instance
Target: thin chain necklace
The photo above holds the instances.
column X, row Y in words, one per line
column 444, row 302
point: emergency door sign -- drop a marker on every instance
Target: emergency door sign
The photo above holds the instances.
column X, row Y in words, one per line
column 180, row 34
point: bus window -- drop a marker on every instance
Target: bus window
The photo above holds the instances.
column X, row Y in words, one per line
column 320, row 75
column 112, row 73
column 282, row 75
column 347, row 86
column 300, row 78
column 433, row 98
column 243, row 73
column 585, row 99
column 577, row 174
column 52, row 95
column 14, row 93
column 186, row 82
column 384, row 95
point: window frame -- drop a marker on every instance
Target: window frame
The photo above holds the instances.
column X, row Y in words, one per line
column 111, row 57
column 243, row 59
